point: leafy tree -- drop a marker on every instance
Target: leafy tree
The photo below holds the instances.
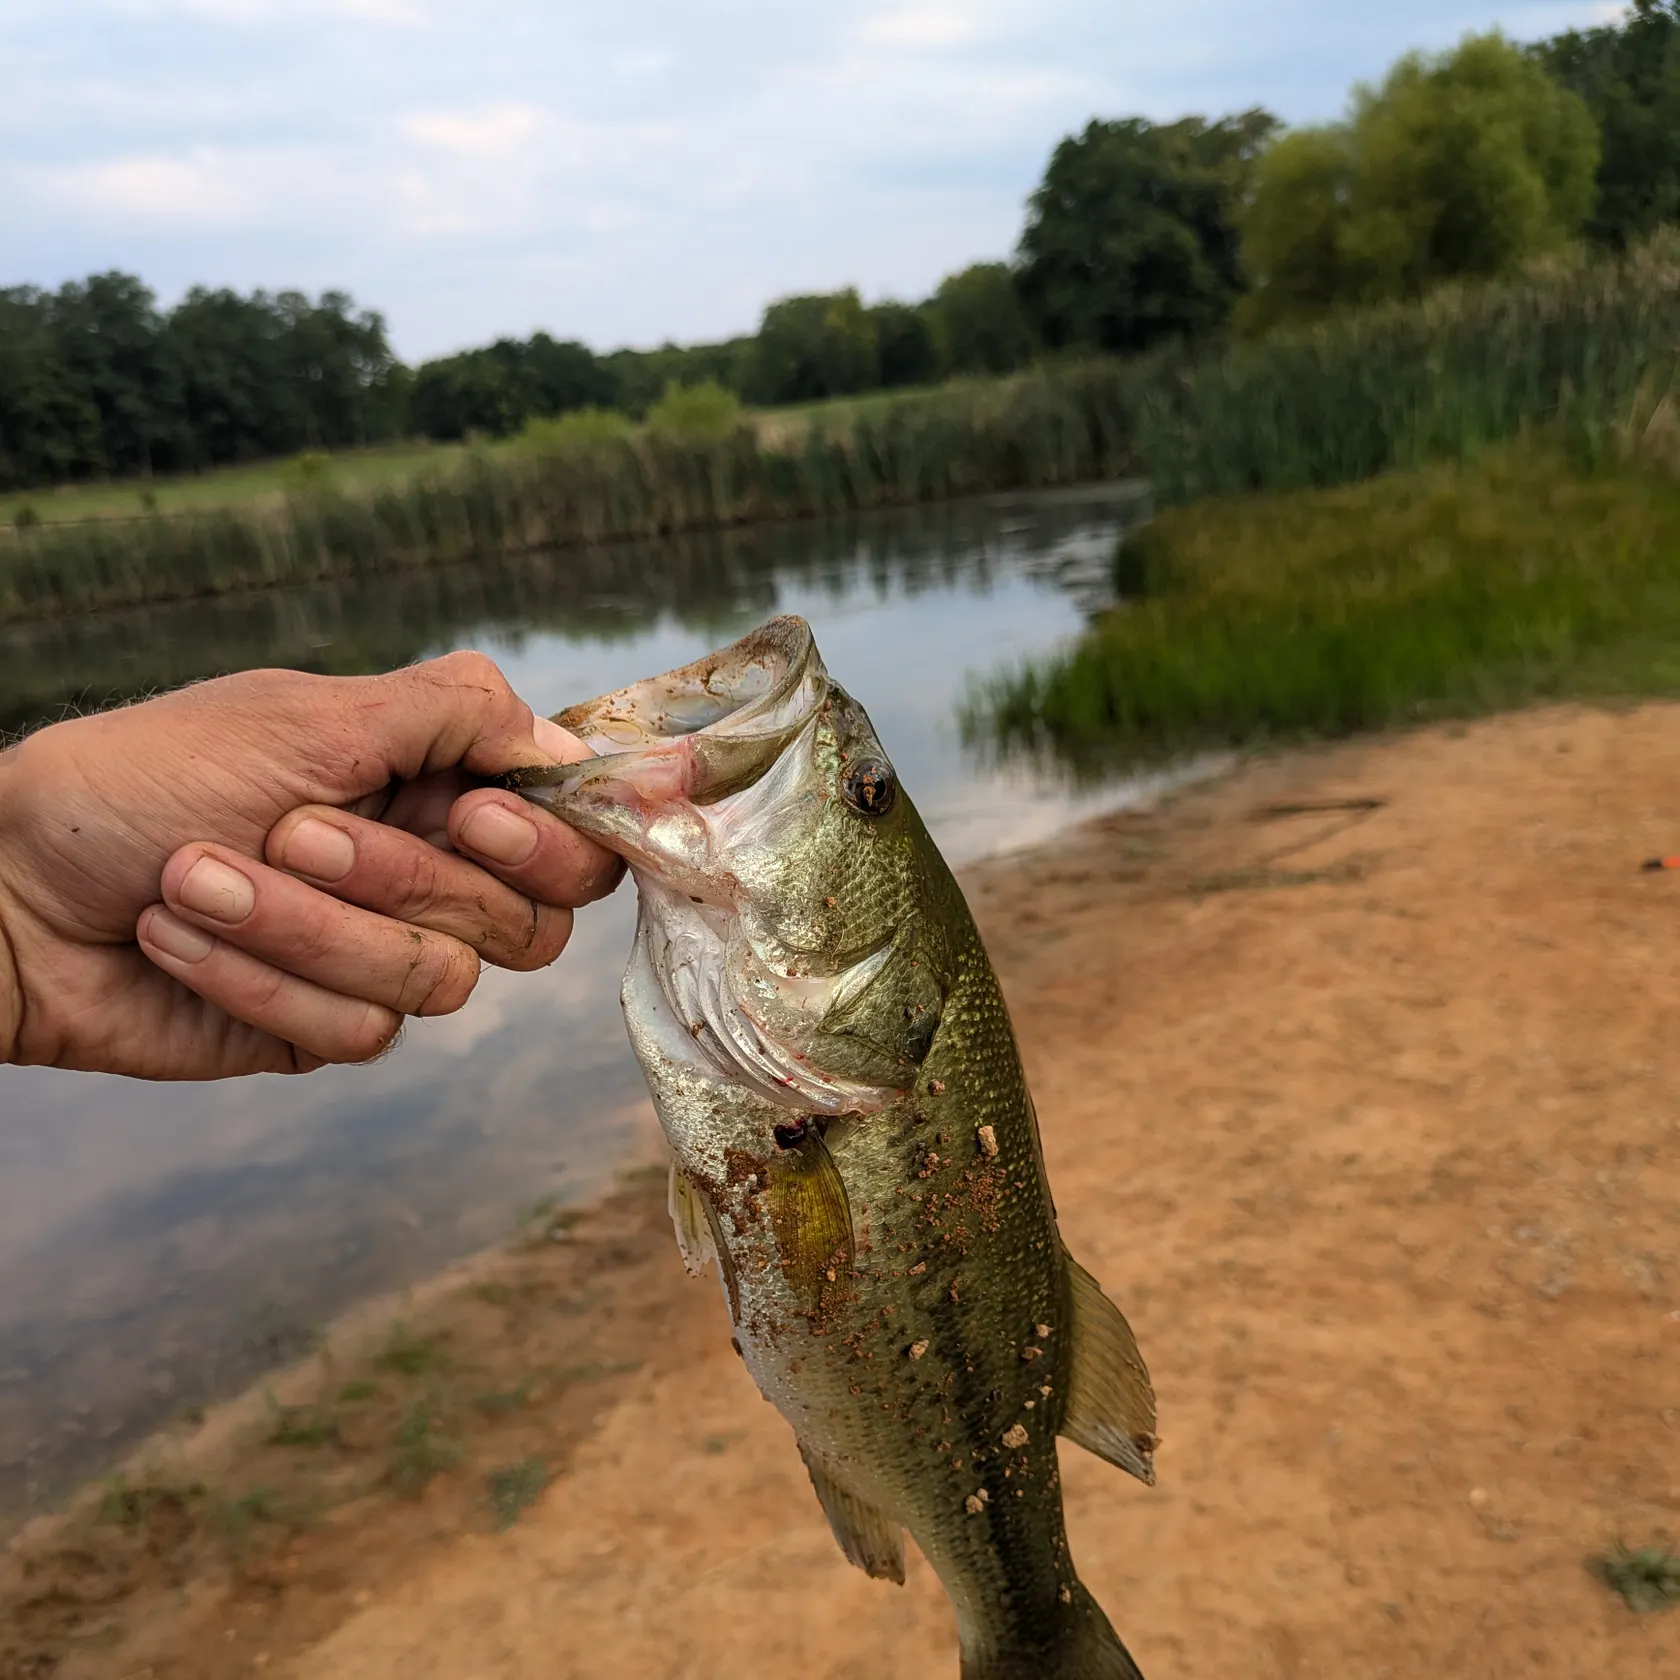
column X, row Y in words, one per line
column 1458, row 166
column 1628, row 74
column 49, row 429
column 904, row 345
column 228, row 359
column 498, row 389
column 1131, row 236
column 110, row 343
column 814, row 347
column 978, row 321
column 641, row 376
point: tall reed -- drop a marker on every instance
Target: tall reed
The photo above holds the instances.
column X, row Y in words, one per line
column 1587, row 350
column 1054, row 426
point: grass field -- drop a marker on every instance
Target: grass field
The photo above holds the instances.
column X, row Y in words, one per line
column 355, row 471
column 246, row 485
column 1444, row 591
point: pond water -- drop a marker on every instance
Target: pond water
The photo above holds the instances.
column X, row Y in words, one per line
column 163, row 1244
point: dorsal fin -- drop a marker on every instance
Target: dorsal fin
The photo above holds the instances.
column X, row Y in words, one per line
column 1110, row 1405
column 867, row 1535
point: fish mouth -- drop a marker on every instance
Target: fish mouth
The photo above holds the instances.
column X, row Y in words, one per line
column 690, row 737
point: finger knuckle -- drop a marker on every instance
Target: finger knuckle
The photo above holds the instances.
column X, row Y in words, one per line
column 543, row 940
column 370, row 1035
column 440, row 979
column 468, row 668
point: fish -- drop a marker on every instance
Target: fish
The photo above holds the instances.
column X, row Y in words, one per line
column 852, row 1140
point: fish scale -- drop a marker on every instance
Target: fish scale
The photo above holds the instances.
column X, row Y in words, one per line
column 895, row 1278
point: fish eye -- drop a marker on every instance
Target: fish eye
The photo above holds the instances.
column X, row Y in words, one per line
column 870, row 786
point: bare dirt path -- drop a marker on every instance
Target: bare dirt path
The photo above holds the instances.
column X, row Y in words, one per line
column 1369, row 1116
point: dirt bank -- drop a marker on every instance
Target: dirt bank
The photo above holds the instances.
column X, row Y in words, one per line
column 1368, row 1117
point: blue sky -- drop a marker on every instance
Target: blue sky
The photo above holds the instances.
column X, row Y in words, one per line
column 621, row 171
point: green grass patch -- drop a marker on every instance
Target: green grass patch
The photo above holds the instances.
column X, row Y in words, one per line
column 355, row 470
column 513, row 1489
column 1648, row 1578
column 299, row 1426
column 409, row 1355
column 1446, row 591
column 420, row 1453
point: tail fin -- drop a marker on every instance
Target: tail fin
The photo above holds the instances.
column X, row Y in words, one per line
column 1079, row 1645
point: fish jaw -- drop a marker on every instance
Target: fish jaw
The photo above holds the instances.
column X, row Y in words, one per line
column 640, row 805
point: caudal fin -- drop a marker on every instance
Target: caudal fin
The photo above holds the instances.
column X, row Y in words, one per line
column 1078, row 1644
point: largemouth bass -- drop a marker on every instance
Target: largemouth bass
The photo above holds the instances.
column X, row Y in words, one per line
column 853, row 1141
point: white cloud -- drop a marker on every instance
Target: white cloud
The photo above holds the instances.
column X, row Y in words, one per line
column 493, row 132
column 920, row 26
column 405, row 14
column 629, row 173
column 202, row 188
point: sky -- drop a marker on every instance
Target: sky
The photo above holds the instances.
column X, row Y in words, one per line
column 620, row 171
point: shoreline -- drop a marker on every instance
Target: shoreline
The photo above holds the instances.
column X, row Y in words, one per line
column 1350, row 1065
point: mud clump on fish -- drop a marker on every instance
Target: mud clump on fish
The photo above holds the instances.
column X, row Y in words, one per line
column 852, row 1138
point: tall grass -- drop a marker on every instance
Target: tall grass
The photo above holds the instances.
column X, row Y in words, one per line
column 1445, row 591
column 591, row 484
column 1588, row 351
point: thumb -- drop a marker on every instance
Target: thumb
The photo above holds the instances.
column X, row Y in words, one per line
column 456, row 710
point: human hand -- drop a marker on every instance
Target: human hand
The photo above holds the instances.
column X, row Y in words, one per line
column 254, row 875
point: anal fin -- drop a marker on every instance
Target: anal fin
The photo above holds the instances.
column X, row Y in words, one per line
column 1110, row 1404
column 866, row 1534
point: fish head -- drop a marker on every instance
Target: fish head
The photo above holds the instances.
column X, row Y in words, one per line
column 784, row 871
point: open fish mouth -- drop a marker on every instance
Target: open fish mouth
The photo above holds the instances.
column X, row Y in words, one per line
column 698, row 733
column 700, row 775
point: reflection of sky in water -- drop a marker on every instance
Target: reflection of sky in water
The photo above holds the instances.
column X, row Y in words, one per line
column 159, row 1240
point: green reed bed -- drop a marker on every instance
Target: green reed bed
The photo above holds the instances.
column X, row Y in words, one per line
column 1588, row 351
column 1444, row 591
column 1055, row 426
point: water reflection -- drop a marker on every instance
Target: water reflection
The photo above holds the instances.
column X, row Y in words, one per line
column 162, row 1244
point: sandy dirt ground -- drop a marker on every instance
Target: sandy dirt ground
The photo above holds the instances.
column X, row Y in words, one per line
column 1368, row 1116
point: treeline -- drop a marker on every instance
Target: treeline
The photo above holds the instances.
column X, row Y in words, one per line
column 1468, row 165
column 97, row 382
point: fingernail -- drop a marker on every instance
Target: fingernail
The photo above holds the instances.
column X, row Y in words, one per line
column 176, row 938
column 319, row 850
column 212, row 889
column 556, row 743
column 499, row 834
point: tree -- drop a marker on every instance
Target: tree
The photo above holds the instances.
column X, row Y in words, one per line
column 814, row 347
column 49, row 430
column 978, row 322
column 228, row 361
column 1459, row 166
column 110, row 338
column 497, row 389
column 904, row 344
column 1628, row 74
column 1131, row 236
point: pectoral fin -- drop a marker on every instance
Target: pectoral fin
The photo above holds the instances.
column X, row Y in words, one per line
column 1110, row 1406
column 810, row 1217
column 694, row 1229
column 866, row 1534
column 699, row 1236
